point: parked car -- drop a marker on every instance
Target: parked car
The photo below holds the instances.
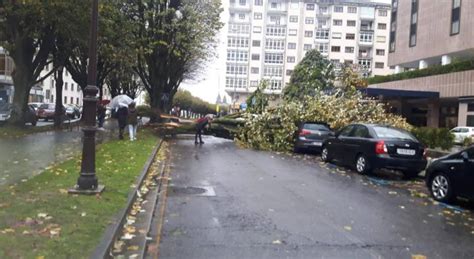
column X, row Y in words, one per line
column 35, row 105
column 461, row 133
column 73, row 111
column 30, row 114
column 47, row 111
column 311, row 136
column 451, row 176
column 371, row 146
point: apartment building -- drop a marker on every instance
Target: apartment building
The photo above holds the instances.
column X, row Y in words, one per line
column 267, row 38
column 424, row 34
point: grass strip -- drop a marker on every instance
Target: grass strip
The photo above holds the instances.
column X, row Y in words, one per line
column 38, row 219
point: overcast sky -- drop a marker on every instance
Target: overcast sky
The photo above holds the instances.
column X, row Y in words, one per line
column 211, row 82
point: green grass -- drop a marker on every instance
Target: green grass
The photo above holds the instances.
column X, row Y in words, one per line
column 80, row 220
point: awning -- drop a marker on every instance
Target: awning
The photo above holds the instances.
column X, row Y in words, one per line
column 399, row 93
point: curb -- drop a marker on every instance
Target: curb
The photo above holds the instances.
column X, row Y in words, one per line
column 113, row 231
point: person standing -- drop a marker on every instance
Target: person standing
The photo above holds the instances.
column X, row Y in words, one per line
column 122, row 114
column 101, row 115
column 132, row 120
column 200, row 125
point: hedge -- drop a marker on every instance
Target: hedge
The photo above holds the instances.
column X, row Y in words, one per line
column 430, row 71
column 434, row 137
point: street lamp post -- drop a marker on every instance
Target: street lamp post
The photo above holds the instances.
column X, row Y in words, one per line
column 87, row 183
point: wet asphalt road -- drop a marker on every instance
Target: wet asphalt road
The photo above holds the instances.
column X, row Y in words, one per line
column 269, row 205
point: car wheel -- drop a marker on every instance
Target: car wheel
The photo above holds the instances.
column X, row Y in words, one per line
column 362, row 165
column 325, row 155
column 296, row 149
column 441, row 188
column 34, row 123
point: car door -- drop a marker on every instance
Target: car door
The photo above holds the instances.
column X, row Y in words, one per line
column 339, row 143
column 356, row 142
column 466, row 174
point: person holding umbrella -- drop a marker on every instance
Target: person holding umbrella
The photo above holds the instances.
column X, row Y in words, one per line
column 120, row 105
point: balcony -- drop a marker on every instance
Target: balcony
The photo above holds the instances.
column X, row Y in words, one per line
column 239, row 7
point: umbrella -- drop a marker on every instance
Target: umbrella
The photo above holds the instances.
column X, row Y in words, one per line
column 120, row 101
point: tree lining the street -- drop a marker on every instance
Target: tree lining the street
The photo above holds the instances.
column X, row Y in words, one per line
column 174, row 39
column 186, row 101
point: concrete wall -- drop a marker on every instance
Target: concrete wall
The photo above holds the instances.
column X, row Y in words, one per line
column 433, row 32
column 448, row 85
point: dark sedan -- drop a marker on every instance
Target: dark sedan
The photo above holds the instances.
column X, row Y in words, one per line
column 451, row 176
column 311, row 136
column 371, row 146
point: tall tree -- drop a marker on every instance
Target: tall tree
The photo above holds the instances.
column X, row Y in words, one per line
column 174, row 38
column 124, row 81
column 313, row 74
column 351, row 80
column 28, row 36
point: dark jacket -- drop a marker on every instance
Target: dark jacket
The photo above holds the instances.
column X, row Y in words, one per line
column 122, row 115
column 132, row 117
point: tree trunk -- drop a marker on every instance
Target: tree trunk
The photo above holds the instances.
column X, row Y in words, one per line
column 21, row 94
column 58, row 115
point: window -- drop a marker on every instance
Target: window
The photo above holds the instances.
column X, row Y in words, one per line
column 233, row 69
column 273, row 58
column 77, row 100
column 273, row 71
column 72, row 87
column 275, row 84
column 382, row 26
column 292, row 32
column 380, row 52
column 335, row 49
column 383, row 13
column 336, row 35
column 352, row 9
column 255, row 56
column 456, row 17
column 254, row 70
column 273, row 5
column 72, row 100
column 346, row 131
column 322, row 22
column 289, row 72
column 381, row 39
column 470, row 107
column 291, row 45
column 259, row 2
column 237, row 55
column 293, row 18
column 65, row 99
column 275, row 30
column 350, row 36
column 232, row 82
column 322, row 34
column 366, row 37
column 290, row 59
column 337, row 22
column 393, row 26
column 275, row 19
column 237, row 42
column 257, row 16
column 274, row 44
column 322, row 47
column 338, row 9
column 254, row 83
column 239, row 28
column 309, row 20
column 256, row 43
column 308, row 33
column 323, row 9
column 242, row 2
column 360, row 132
column 349, row 50
column 65, row 86
column 307, row 46
column 414, row 23
column 309, row 6
column 257, row 29
column 379, row 65
column 241, row 16
column 351, row 23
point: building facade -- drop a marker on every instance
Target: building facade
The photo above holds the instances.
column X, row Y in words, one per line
column 426, row 33
column 267, row 38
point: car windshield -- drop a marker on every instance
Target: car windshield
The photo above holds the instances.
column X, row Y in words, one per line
column 392, row 133
column 3, row 106
column 312, row 126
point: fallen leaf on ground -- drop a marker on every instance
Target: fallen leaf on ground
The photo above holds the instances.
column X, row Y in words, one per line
column 63, row 191
column 348, row 228
column 418, row 256
column 276, row 242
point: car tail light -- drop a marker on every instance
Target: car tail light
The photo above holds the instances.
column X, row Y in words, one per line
column 380, row 148
column 304, row 132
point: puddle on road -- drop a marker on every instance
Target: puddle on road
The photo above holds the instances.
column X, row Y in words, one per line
column 174, row 191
